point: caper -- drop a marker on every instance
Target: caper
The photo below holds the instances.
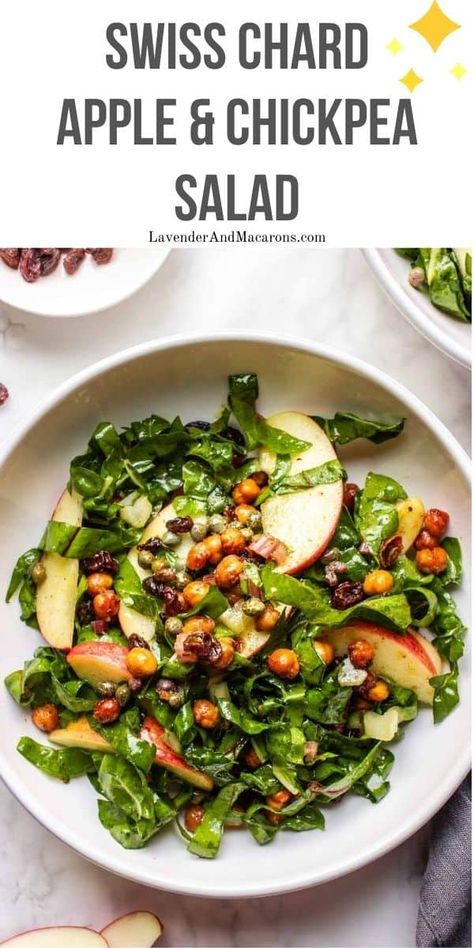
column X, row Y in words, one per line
column 173, row 625
column 247, row 533
column 170, row 539
column 122, row 693
column 145, row 559
column 218, row 523
column 106, row 689
column 38, row 574
column 253, row 606
column 199, row 532
column 163, row 570
column 176, row 699
column 255, row 521
column 182, row 579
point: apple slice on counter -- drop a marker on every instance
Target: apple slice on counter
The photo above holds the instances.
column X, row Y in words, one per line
column 306, row 520
column 80, row 734
column 56, row 596
column 99, row 661
column 132, row 622
column 136, row 930
column 410, row 660
column 66, row 936
column 167, row 757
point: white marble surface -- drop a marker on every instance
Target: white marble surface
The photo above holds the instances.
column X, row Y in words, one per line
column 325, row 295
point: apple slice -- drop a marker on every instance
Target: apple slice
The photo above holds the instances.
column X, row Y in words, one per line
column 80, row 734
column 135, row 930
column 166, row 757
column 56, row 596
column 57, row 938
column 410, row 660
column 132, row 622
column 411, row 513
column 99, row 661
column 306, row 520
column 251, row 639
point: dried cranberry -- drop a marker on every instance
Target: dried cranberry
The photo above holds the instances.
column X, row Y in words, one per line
column 260, row 478
column 367, row 684
column 151, row 546
column 200, row 425
column 364, row 549
column 174, row 602
column 154, row 587
column 85, row 612
column 30, row 264
column 50, row 258
column 10, row 256
column 73, row 260
column 99, row 626
column 346, row 595
column 102, row 562
column 390, row 551
column 4, row 393
column 232, row 434
column 134, row 684
column 179, row 524
column 136, row 641
column 350, row 494
column 204, row 646
column 166, row 687
column 102, row 255
column 333, row 571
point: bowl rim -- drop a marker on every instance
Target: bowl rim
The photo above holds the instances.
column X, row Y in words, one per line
column 414, row 313
column 444, row 788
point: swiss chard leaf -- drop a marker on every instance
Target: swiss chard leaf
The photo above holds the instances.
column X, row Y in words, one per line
column 126, row 787
column 62, row 764
column 376, row 516
column 243, row 394
column 207, row 838
column 346, row 427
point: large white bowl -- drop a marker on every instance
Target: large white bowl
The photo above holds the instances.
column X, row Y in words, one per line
column 188, row 376
column 91, row 289
column 450, row 335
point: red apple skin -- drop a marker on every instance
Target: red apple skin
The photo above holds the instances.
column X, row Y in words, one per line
column 166, row 757
column 111, row 656
column 408, row 639
column 319, row 552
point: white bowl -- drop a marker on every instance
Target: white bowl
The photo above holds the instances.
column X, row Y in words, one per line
column 188, row 376
column 450, row 335
column 91, row 289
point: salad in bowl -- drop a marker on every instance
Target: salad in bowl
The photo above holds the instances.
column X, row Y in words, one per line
column 233, row 630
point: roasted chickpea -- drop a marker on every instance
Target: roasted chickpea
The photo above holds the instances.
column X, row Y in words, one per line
column 98, row 582
column 284, row 663
column 246, row 491
column 425, row 541
column 227, row 655
column 232, row 540
column 436, row 522
column 278, row 800
column 251, row 758
column 325, row 651
column 195, row 592
column 350, row 494
column 260, row 478
column 432, row 561
column 46, row 717
column 193, row 816
column 378, row 582
column 244, row 512
column 206, row 714
column 197, row 557
column 214, row 547
column 199, row 624
column 268, row 619
column 106, row 604
column 273, row 818
column 361, row 653
column 378, row 692
column 228, row 571
column 141, row 662
column 106, row 711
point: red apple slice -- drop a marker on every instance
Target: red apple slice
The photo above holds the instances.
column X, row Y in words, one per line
column 166, row 757
column 66, row 936
column 56, row 596
column 132, row 622
column 99, row 661
column 306, row 520
column 80, row 734
column 136, row 930
column 409, row 659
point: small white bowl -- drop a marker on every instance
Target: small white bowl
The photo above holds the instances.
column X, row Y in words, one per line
column 188, row 376
column 450, row 335
column 90, row 290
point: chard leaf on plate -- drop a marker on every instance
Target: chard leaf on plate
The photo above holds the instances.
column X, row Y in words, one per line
column 63, row 764
column 346, row 427
column 243, row 394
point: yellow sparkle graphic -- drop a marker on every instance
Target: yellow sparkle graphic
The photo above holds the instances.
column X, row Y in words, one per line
column 411, row 80
column 435, row 26
column 394, row 46
column 458, row 71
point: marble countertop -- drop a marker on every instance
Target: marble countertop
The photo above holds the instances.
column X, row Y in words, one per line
column 332, row 297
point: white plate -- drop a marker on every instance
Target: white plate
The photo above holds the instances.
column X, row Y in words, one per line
column 188, row 376
column 89, row 290
column 450, row 335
